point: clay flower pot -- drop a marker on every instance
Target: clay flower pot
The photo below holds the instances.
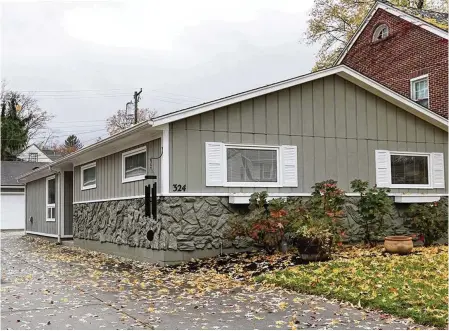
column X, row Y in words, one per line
column 398, row 244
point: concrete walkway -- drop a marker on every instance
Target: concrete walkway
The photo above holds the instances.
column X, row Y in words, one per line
column 45, row 286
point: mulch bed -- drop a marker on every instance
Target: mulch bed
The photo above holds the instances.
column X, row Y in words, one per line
column 239, row 265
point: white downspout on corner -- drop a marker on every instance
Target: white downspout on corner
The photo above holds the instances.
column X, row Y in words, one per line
column 165, row 161
column 58, row 200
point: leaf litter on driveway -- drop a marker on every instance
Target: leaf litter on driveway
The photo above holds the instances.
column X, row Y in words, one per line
column 92, row 290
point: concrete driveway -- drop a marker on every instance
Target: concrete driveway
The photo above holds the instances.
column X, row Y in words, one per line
column 46, row 286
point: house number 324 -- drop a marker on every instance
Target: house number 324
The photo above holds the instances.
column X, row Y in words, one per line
column 179, row 187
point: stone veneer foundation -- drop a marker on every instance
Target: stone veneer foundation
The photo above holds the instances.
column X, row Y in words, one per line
column 187, row 227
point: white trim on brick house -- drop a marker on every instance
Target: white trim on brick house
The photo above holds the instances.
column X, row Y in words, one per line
column 396, row 12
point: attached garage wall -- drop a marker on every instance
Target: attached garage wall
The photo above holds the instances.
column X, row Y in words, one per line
column 36, row 207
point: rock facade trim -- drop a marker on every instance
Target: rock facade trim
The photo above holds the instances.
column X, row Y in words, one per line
column 184, row 223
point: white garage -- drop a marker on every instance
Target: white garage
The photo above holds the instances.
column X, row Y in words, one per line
column 12, row 197
column 12, row 205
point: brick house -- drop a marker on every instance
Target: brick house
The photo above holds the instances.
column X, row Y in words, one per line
column 405, row 49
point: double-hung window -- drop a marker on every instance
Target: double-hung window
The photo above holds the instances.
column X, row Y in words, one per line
column 51, row 199
column 409, row 169
column 420, row 90
column 32, row 157
column 237, row 165
column 89, row 176
column 134, row 165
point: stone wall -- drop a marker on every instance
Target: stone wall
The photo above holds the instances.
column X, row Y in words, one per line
column 184, row 223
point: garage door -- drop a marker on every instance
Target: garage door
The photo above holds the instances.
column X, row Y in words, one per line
column 12, row 211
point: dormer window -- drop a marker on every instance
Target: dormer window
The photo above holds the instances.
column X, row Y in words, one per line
column 381, row 32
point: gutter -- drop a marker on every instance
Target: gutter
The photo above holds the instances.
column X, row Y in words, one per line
column 108, row 140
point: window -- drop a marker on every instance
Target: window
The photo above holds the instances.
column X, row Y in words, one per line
column 88, row 176
column 255, row 165
column 134, row 165
column 381, row 32
column 420, row 90
column 32, row 157
column 251, row 165
column 409, row 170
column 51, row 199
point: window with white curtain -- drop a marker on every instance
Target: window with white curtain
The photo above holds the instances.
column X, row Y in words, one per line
column 89, row 176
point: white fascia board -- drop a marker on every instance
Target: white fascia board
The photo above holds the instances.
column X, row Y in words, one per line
column 396, row 12
column 223, row 102
column 36, row 174
column 393, row 97
column 341, row 70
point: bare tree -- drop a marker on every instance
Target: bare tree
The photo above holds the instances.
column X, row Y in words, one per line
column 122, row 120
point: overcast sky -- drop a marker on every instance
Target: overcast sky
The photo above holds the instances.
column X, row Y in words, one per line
column 84, row 60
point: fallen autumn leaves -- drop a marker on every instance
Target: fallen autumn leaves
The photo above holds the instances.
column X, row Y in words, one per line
column 413, row 286
column 220, row 288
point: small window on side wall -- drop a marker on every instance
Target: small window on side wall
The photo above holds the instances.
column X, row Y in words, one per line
column 409, row 169
column 134, row 165
column 419, row 88
column 89, row 176
column 51, row 198
column 381, row 32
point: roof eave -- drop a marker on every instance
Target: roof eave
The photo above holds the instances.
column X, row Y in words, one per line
column 42, row 171
column 397, row 12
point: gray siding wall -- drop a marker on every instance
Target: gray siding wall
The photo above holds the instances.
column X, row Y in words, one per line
column 36, row 207
column 68, row 202
column 109, row 176
column 336, row 125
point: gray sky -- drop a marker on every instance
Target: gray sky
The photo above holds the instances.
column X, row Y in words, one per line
column 85, row 59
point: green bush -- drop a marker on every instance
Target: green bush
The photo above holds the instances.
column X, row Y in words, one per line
column 428, row 220
column 374, row 209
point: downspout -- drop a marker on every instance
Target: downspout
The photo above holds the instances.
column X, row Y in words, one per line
column 58, row 202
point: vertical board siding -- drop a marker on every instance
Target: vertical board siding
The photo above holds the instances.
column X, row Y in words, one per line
column 336, row 125
column 68, row 202
column 36, row 207
column 109, row 175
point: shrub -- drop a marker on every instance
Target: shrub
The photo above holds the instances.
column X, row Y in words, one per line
column 374, row 208
column 428, row 220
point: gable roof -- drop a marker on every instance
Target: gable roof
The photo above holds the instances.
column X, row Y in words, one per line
column 341, row 70
column 10, row 170
column 146, row 128
column 419, row 17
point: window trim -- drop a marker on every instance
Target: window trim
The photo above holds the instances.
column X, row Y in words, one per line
column 379, row 28
column 51, row 205
column 131, row 153
column 429, row 171
column 278, row 183
column 85, row 167
column 32, row 159
column 412, row 89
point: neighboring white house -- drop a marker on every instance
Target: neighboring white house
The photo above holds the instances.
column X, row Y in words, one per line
column 34, row 154
column 12, row 198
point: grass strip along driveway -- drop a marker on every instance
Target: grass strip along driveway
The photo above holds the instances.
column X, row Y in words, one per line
column 413, row 286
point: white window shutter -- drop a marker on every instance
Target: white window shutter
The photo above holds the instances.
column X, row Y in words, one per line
column 214, row 164
column 438, row 170
column 383, row 168
column 289, row 167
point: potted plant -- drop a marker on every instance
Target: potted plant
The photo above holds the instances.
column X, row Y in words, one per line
column 313, row 238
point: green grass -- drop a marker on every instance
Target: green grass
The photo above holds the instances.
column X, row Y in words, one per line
column 413, row 286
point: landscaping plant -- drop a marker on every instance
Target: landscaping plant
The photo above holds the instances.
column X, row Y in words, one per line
column 428, row 220
column 374, row 209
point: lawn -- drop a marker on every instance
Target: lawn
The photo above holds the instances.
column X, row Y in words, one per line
column 413, row 286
